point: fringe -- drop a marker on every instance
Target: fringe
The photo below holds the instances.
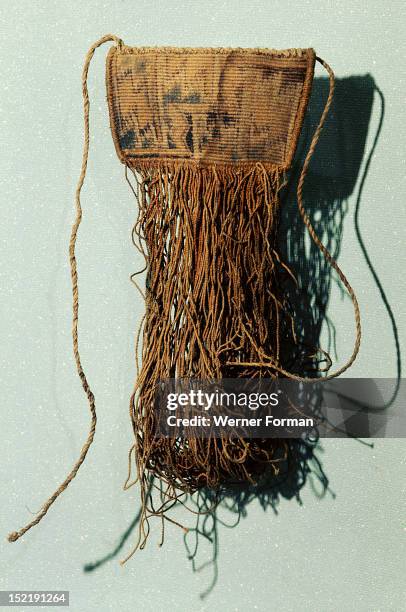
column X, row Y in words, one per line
column 213, row 300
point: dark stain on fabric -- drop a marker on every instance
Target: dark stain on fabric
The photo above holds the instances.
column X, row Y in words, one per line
column 128, row 140
column 172, row 96
column 171, row 144
column 189, row 135
column 145, row 129
column 212, row 125
column 193, row 98
column 140, row 65
column 228, row 119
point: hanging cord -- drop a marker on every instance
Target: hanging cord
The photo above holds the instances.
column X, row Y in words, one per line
column 15, row 535
column 323, row 249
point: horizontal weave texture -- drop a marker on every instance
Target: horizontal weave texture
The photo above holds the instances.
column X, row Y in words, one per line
column 218, row 105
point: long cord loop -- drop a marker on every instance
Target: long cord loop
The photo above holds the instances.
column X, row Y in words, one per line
column 15, row 535
column 329, row 258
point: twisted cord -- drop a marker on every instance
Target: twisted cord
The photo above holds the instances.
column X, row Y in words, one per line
column 15, row 535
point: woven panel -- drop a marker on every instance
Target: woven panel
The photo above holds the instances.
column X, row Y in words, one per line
column 227, row 106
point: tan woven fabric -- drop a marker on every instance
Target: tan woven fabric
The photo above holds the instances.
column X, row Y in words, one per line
column 215, row 105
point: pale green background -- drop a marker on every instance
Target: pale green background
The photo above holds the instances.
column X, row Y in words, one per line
column 345, row 553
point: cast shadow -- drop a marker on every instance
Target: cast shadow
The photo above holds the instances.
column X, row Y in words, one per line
column 334, row 174
column 338, row 170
